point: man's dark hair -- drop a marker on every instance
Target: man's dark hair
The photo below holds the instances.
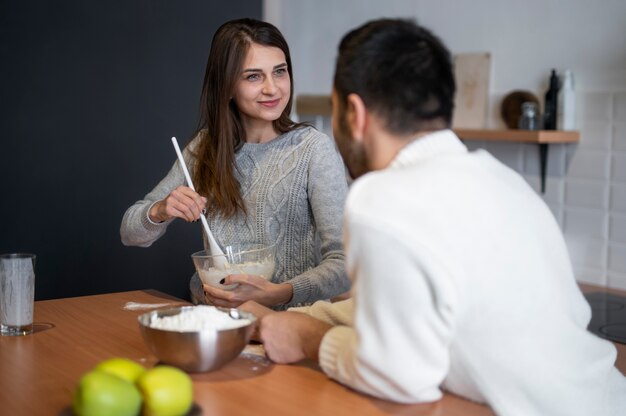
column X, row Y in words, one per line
column 402, row 72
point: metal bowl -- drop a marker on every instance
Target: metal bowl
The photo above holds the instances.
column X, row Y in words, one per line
column 198, row 351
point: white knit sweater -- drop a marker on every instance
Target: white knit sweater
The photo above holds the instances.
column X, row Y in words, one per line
column 462, row 281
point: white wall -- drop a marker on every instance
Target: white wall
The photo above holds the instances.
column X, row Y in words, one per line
column 586, row 185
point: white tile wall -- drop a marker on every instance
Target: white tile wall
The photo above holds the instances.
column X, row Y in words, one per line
column 618, row 171
column 587, row 194
column 595, row 135
column 556, row 162
column 588, row 164
column 619, row 107
column 616, row 280
column 617, row 258
column 618, row 197
column 585, row 222
column 619, row 136
column 618, row 228
column 594, row 106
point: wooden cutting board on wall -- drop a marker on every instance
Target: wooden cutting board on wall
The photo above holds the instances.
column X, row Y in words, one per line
column 471, row 71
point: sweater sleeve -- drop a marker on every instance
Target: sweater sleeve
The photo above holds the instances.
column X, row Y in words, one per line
column 327, row 189
column 337, row 313
column 136, row 228
column 398, row 347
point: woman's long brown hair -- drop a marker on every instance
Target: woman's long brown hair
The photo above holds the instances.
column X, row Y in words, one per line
column 220, row 123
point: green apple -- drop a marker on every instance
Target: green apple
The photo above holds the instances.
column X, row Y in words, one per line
column 103, row 394
column 166, row 390
column 124, row 368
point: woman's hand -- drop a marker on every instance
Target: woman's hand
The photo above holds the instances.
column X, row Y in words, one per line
column 182, row 203
column 250, row 287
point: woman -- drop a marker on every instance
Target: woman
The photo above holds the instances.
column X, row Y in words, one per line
column 261, row 177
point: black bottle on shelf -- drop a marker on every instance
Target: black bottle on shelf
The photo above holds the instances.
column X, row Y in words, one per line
column 550, row 105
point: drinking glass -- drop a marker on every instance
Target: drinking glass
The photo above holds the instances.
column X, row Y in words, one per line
column 17, row 293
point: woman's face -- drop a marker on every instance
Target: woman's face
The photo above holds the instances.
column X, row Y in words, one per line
column 263, row 89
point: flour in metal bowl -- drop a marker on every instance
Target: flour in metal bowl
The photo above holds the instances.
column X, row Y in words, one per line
column 198, row 318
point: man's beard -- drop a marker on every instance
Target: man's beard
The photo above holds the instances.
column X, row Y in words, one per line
column 352, row 152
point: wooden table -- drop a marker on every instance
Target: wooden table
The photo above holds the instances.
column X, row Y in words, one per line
column 39, row 372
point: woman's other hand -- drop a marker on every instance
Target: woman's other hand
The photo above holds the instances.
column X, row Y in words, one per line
column 250, row 287
column 182, row 202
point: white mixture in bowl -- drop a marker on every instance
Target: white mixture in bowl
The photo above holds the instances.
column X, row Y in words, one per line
column 214, row 275
column 198, row 318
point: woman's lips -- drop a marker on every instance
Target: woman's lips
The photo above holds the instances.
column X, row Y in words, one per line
column 271, row 103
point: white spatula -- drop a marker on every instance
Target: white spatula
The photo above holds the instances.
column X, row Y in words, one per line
column 220, row 260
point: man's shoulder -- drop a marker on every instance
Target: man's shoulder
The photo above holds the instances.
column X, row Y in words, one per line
column 394, row 192
column 373, row 192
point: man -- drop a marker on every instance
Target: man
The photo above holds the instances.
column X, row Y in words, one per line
column 461, row 278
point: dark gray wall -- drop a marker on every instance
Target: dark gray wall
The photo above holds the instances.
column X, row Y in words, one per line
column 90, row 94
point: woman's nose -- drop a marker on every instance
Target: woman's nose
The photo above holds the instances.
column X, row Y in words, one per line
column 269, row 87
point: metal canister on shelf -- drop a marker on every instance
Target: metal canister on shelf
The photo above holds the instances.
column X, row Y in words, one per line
column 529, row 119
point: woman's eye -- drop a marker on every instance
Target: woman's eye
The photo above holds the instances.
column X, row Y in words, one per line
column 280, row 71
column 253, row 77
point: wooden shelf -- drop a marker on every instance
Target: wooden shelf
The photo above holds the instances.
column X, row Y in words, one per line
column 525, row 136
column 319, row 105
column 313, row 105
column 541, row 137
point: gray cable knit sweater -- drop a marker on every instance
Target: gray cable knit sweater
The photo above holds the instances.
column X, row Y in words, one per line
column 294, row 187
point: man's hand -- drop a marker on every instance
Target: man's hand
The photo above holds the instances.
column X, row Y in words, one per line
column 259, row 311
column 289, row 337
column 256, row 309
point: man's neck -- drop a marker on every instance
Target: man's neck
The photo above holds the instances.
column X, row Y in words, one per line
column 383, row 147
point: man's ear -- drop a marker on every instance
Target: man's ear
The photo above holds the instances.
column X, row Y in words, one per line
column 356, row 116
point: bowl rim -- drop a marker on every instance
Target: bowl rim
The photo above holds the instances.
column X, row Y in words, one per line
column 145, row 318
column 204, row 254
